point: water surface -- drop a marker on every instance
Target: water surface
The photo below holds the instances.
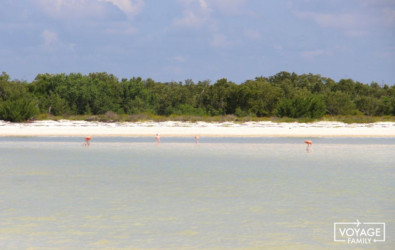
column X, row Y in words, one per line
column 127, row 192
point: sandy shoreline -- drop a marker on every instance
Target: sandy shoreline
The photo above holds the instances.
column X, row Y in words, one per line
column 171, row 128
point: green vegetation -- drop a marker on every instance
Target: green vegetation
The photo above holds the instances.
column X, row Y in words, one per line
column 16, row 102
column 284, row 97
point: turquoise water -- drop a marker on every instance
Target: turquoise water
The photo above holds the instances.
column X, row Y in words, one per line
column 223, row 193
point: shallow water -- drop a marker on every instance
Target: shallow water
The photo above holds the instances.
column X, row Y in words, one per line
column 223, row 193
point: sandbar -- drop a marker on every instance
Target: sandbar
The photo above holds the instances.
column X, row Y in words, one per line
column 181, row 129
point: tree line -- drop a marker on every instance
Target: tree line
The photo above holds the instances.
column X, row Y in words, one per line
column 282, row 95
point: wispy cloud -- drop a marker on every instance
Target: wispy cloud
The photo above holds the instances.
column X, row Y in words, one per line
column 106, row 14
column 312, row 54
column 196, row 13
column 190, row 19
column 385, row 11
column 347, row 20
column 231, row 7
column 387, row 3
column 67, row 9
column 221, row 41
column 121, row 28
column 215, row 36
column 278, row 47
column 87, row 9
column 50, row 39
column 252, row 34
column 353, row 22
column 130, row 8
column 355, row 33
column 350, row 24
column 207, row 14
column 179, row 59
column 387, row 53
column 388, row 16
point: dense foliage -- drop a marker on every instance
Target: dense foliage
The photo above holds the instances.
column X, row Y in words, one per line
column 282, row 95
column 16, row 102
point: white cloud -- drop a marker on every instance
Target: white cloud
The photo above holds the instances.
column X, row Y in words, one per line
column 66, row 9
column 98, row 13
column 50, row 39
column 379, row 12
column 204, row 5
column 53, row 44
column 330, row 20
column 378, row 3
column 131, row 8
column 355, row 33
column 230, row 7
column 190, row 19
column 196, row 14
column 220, row 40
column 252, row 34
column 122, row 28
column 365, row 18
column 387, row 53
column 350, row 24
column 388, row 16
column 199, row 14
column 173, row 70
column 179, row 59
column 278, row 47
column 312, row 54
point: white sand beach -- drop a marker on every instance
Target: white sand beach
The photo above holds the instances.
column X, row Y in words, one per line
column 172, row 128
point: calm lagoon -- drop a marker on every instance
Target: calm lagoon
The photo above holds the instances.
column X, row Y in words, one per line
column 127, row 192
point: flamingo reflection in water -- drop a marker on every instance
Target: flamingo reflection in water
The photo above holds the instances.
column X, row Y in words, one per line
column 309, row 145
column 157, row 138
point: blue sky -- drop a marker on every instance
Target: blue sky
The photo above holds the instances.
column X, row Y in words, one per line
column 175, row 40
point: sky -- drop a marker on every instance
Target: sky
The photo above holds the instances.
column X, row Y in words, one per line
column 175, row 40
